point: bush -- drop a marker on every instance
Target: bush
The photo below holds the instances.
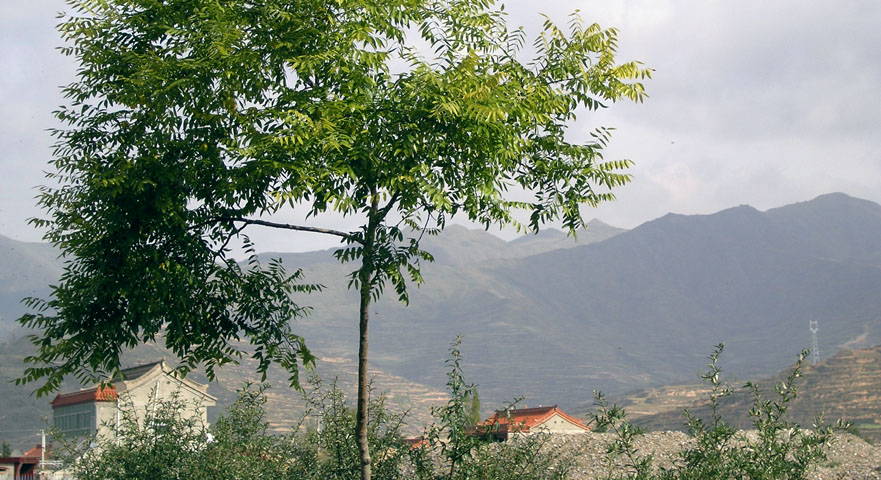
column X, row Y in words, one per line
column 335, row 440
column 165, row 445
column 778, row 449
column 168, row 445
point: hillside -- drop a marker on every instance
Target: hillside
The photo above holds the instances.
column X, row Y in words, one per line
column 846, row 385
column 638, row 309
column 26, row 269
column 642, row 308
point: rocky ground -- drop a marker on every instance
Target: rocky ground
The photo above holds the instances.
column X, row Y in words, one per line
column 849, row 457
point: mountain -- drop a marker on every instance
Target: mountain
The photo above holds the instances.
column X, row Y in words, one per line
column 552, row 321
column 553, row 239
column 641, row 308
column 26, row 270
column 846, row 385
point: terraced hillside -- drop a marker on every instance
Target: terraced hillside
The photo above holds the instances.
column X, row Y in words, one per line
column 846, row 385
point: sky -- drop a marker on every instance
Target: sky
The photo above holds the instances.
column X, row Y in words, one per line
column 763, row 103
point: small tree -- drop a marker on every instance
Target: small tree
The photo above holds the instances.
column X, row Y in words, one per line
column 192, row 119
column 474, row 412
column 780, row 450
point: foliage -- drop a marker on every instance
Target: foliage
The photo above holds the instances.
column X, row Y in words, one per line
column 167, row 443
column 163, row 444
column 191, row 119
column 473, row 399
column 5, row 449
column 335, row 438
column 453, row 436
column 621, row 453
column 779, row 449
column 464, row 454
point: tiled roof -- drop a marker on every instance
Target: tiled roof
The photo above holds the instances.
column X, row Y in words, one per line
column 96, row 394
column 137, row 371
column 523, row 419
column 35, row 452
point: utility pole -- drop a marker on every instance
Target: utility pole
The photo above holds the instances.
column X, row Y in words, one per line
column 815, row 344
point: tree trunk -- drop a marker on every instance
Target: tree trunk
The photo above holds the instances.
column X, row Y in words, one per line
column 361, row 415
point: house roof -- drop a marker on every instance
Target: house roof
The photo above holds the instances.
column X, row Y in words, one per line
column 35, row 452
column 524, row 419
column 31, row 456
column 133, row 373
column 416, row 442
column 95, row 394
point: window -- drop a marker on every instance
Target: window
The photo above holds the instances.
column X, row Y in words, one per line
column 75, row 420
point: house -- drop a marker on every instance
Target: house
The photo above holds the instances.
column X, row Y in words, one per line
column 96, row 411
column 527, row 421
column 24, row 466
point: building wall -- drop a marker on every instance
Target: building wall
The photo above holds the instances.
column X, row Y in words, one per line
column 106, row 419
column 558, row 424
column 142, row 395
column 6, row 471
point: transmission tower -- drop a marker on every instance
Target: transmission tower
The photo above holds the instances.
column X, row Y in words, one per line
column 815, row 344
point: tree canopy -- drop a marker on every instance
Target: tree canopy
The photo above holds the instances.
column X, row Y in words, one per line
column 191, row 120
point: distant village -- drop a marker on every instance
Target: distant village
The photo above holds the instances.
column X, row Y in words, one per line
column 97, row 412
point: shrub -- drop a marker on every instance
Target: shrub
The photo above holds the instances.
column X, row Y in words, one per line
column 777, row 450
column 169, row 445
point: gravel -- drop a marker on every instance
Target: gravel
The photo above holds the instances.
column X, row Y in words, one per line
column 849, row 457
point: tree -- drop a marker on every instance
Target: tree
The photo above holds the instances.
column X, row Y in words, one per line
column 473, row 399
column 191, row 120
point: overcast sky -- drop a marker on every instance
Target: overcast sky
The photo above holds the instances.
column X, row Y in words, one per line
column 760, row 103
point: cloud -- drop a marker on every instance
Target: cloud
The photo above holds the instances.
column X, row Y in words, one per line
column 759, row 102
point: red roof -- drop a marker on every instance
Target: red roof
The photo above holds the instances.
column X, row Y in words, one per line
column 523, row 419
column 31, row 456
column 97, row 394
column 35, row 452
column 416, row 442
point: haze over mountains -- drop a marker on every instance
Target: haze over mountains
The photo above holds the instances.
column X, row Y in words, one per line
column 551, row 319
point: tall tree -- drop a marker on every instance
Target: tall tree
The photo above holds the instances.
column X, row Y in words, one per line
column 192, row 120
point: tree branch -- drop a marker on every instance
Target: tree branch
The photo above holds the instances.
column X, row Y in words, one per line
column 390, row 204
column 301, row 228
